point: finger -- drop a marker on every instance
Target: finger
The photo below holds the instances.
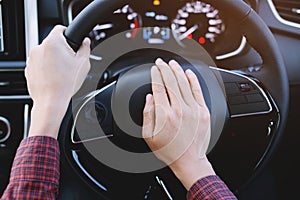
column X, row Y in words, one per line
column 195, row 87
column 58, row 29
column 85, row 49
column 170, row 82
column 148, row 117
column 183, row 82
column 158, row 89
column 57, row 36
column 56, row 32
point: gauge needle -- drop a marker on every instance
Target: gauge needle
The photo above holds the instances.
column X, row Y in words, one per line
column 190, row 31
column 103, row 27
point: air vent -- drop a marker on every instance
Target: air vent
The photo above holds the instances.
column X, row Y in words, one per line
column 288, row 9
column 13, row 83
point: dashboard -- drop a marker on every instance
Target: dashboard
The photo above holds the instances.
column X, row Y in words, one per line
column 157, row 22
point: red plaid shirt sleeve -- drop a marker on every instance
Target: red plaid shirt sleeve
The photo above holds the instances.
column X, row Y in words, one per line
column 35, row 174
column 35, row 171
column 209, row 188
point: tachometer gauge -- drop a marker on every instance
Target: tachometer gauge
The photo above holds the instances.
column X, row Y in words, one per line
column 124, row 20
column 199, row 21
column 132, row 22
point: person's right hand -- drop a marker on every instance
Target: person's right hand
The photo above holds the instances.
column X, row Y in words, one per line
column 177, row 122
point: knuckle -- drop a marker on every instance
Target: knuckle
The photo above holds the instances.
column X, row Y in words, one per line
column 159, row 89
column 196, row 90
column 88, row 66
column 33, row 51
column 146, row 111
column 49, row 44
column 59, row 26
column 178, row 112
column 205, row 115
column 58, row 29
column 26, row 73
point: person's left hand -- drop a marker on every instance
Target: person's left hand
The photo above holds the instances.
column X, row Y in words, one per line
column 54, row 74
column 54, row 71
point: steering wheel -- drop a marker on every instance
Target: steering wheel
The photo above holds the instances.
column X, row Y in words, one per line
column 248, row 111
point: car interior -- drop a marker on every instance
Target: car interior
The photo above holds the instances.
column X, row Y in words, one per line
column 245, row 53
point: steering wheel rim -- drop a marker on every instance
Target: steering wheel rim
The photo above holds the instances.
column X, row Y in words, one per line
column 252, row 26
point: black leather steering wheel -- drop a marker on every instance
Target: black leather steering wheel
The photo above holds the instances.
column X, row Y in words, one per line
column 270, row 84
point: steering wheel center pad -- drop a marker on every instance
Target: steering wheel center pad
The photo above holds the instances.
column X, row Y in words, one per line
column 128, row 99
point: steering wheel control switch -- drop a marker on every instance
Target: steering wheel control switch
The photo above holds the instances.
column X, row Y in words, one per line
column 245, row 87
column 245, row 96
column 4, row 129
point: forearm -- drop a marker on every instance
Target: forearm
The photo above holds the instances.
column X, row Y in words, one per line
column 35, row 171
column 47, row 117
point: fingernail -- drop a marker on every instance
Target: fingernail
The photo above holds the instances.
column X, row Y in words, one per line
column 173, row 64
column 188, row 71
column 149, row 97
column 154, row 67
column 87, row 41
column 172, row 61
column 159, row 60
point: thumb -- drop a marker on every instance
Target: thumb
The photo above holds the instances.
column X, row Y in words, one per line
column 85, row 48
column 148, row 117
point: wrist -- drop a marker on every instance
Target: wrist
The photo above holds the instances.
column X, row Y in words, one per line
column 190, row 172
column 46, row 118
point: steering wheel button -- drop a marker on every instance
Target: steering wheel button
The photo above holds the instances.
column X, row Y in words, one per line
column 252, row 98
column 236, row 100
column 231, row 88
column 245, row 87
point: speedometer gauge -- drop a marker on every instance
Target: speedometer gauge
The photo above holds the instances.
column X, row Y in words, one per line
column 199, row 21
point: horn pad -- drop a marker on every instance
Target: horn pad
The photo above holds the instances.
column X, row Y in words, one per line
column 128, row 100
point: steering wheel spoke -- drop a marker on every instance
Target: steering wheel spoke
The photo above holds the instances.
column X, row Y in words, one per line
column 93, row 112
column 245, row 96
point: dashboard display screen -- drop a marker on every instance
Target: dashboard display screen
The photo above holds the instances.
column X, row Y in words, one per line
column 1, row 31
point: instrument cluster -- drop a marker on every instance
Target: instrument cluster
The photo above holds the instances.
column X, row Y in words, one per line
column 161, row 21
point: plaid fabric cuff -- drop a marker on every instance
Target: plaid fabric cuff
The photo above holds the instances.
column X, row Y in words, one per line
column 37, row 159
column 210, row 187
column 35, row 171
